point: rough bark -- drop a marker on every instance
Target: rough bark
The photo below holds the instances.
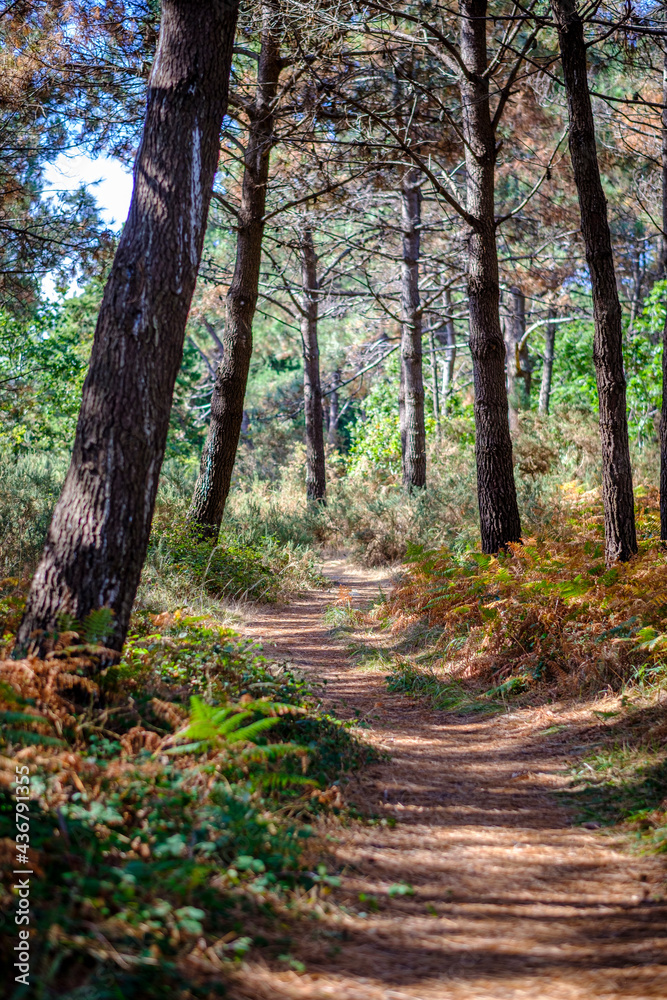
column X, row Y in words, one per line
column 413, row 432
column 334, row 410
column 316, row 486
column 663, row 411
column 548, row 364
column 617, row 494
column 498, row 508
column 219, row 454
column 510, row 369
column 521, row 355
column 98, row 537
column 448, row 338
column 517, row 360
column 435, row 385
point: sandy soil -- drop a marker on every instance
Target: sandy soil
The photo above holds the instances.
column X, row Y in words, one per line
column 510, row 899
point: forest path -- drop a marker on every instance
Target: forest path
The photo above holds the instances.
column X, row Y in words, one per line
column 510, row 900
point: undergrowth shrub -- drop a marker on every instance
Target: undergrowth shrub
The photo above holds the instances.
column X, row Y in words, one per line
column 29, row 488
column 248, row 563
column 173, row 796
column 368, row 513
column 546, row 616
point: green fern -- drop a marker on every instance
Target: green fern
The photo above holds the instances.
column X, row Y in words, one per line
column 213, row 725
column 97, row 627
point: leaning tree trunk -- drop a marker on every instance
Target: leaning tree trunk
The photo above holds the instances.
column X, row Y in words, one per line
column 316, row 484
column 498, row 508
column 98, row 537
column 548, row 365
column 217, row 463
column 617, row 495
column 413, row 432
column 663, row 412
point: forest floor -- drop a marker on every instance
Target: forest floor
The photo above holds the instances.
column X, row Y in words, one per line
column 473, row 879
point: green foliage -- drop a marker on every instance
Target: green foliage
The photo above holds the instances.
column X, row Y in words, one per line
column 97, row 627
column 223, row 568
column 440, row 693
column 574, row 385
column 154, row 850
column 43, row 362
column 29, row 488
column 213, row 726
column 376, row 437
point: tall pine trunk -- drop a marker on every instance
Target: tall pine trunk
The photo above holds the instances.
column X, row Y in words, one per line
column 413, row 432
column 498, row 508
column 511, row 367
column 617, row 495
column 334, row 409
column 98, row 537
column 448, row 338
column 548, row 365
column 435, row 393
column 316, row 485
column 663, row 411
column 522, row 357
column 217, row 462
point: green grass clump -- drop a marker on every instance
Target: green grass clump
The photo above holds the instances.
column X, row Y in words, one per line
column 447, row 695
column 623, row 784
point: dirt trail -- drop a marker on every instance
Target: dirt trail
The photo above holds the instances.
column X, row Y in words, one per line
column 511, row 900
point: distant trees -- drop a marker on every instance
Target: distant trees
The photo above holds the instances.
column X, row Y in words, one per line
column 408, row 171
column 98, row 537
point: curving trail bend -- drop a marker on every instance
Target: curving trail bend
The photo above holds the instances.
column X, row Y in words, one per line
column 510, row 899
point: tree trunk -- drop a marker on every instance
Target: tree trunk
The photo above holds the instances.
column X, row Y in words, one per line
column 498, row 508
column 522, row 357
column 435, row 386
column 449, row 340
column 98, row 537
column 619, row 513
column 518, row 360
column 637, row 282
column 316, row 484
column 334, row 410
column 511, row 369
column 217, row 462
column 663, row 411
column 413, row 432
column 548, row 365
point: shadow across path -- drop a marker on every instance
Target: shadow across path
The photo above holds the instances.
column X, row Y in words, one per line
column 502, row 896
